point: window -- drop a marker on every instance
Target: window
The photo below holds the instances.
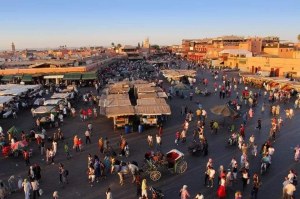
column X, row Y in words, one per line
column 293, row 68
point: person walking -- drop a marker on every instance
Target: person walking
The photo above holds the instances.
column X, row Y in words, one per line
column 183, row 136
column 205, row 147
column 51, row 156
column 42, row 146
column 255, row 186
column 212, row 173
column 215, row 127
column 91, row 175
column 221, row 192
column 26, row 157
column 67, row 151
column 245, row 178
column 150, row 141
column 297, row 153
column 259, row 124
column 27, row 188
column 158, row 142
column 184, row 194
column 108, row 193
column 54, row 147
column 35, row 189
column 55, row 195
column 87, row 137
column 101, row 145
column 76, row 143
column 144, row 188
column 122, row 146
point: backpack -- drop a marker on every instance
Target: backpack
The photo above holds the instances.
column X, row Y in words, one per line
column 66, row 172
column 295, row 181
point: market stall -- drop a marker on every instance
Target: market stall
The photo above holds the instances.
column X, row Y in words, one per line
column 120, row 115
column 44, row 110
column 150, row 109
column 178, row 74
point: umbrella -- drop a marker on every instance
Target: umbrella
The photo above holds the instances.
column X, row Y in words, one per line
column 223, row 110
column 181, row 86
column 19, row 145
column 13, row 130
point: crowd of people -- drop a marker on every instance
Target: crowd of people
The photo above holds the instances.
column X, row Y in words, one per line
column 108, row 160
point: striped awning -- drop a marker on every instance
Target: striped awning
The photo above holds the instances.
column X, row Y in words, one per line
column 72, row 76
column 7, row 78
column 89, row 76
column 27, row 78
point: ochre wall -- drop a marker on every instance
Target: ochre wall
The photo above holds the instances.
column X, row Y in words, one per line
column 16, row 71
column 266, row 64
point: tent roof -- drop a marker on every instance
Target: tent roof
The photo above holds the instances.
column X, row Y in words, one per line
column 147, row 95
column 114, row 102
column 152, row 110
column 152, row 101
column 179, row 73
column 162, row 95
column 148, row 89
column 118, row 90
column 117, row 111
column 115, row 96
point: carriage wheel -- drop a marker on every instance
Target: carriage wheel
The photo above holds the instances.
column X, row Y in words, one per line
column 155, row 175
column 182, row 167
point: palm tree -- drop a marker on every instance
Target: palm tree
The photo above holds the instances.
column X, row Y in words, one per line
column 298, row 38
column 119, row 46
column 112, row 44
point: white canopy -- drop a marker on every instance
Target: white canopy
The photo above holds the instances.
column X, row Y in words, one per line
column 39, row 101
column 15, row 91
column 5, row 99
column 60, row 95
column 43, row 109
column 52, row 102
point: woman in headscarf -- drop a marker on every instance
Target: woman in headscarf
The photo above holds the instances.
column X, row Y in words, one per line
column 144, row 188
column 184, row 194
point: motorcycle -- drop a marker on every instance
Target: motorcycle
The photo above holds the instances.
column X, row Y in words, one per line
column 127, row 152
column 156, row 193
column 263, row 168
column 195, row 148
column 232, row 140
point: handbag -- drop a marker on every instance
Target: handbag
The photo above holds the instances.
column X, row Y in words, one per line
column 41, row 192
column 248, row 181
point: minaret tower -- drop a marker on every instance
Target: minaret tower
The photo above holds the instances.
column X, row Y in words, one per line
column 13, row 48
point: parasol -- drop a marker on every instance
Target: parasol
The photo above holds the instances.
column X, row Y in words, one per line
column 13, row 130
column 19, row 145
column 181, row 86
column 223, row 110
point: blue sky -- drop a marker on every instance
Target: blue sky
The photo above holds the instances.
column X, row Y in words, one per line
column 50, row 23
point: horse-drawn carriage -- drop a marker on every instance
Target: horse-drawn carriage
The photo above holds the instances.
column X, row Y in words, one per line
column 172, row 161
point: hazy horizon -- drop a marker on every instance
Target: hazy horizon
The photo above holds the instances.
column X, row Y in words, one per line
column 50, row 24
